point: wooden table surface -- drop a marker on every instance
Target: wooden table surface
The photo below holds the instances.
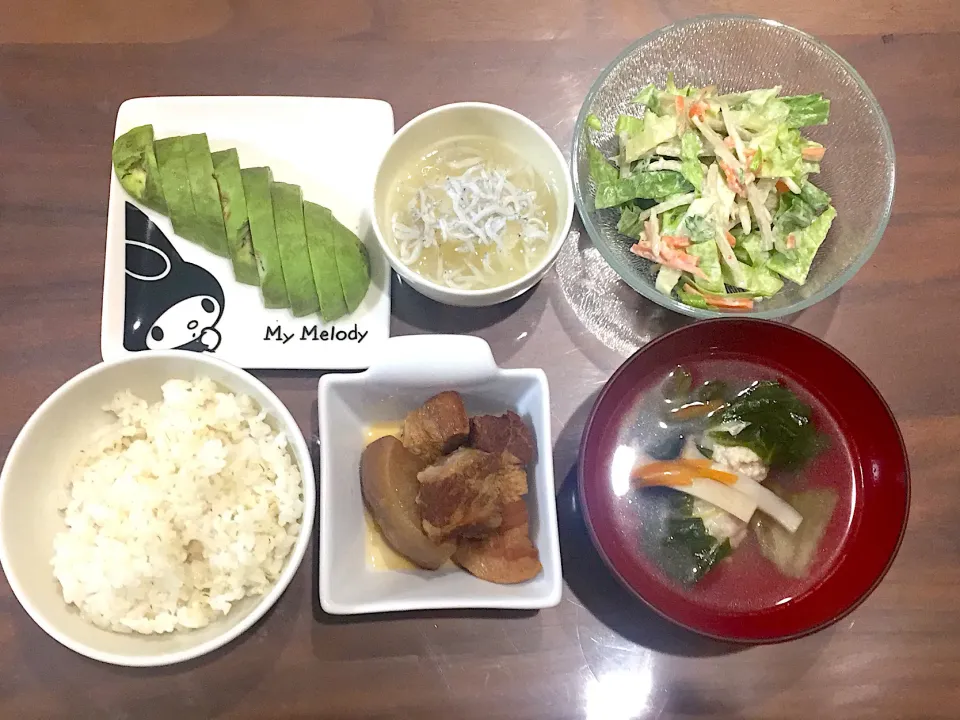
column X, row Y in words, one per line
column 65, row 67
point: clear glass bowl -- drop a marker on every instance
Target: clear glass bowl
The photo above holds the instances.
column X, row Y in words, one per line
column 741, row 53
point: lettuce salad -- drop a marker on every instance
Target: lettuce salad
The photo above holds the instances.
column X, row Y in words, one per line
column 715, row 188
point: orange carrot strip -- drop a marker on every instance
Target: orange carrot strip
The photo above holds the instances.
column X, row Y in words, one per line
column 672, row 253
column 782, row 187
column 662, row 473
column 643, row 251
column 731, row 239
column 813, row 153
column 658, row 467
column 680, row 472
column 663, row 481
column 729, row 302
column 704, row 468
column 671, row 257
column 679, row 260
column 733, row 182
column 699, row 110
column 722, row 301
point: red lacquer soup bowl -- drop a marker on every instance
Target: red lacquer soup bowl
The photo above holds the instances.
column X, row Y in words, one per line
column 745, row 598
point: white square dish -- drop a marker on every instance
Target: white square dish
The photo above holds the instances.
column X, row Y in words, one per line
column 411, row 369
column 331, row 148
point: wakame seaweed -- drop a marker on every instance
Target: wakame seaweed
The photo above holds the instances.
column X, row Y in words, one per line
column 779, row 427
column 688, row 551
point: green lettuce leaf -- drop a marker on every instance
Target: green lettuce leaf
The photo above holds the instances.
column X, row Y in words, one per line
column 691, row 299
column 796, row 266
column 657, row 185
column 734, row 272
column 760, row 110
column 649, row 97
column 742, row 255
column 814, row 196
column 793, row 213
column 700, row 229
column 628, row 124
column 672, row 89
column 804, row 110
column 779, row 152
column 752, row 246
column 670, row 220
column 691, row 167
column 601, row 169
column 761, row 281
column 667, row 278
column 755, row 98
column 710, row 264
column 640, row 136
column 593, row 122
column 630, row 223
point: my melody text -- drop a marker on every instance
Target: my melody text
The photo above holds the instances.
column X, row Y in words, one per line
column 313, row 332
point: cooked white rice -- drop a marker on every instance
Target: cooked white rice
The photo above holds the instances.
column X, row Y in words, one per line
column 177, row 510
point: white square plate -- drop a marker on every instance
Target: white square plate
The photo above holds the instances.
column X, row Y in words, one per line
column 412, row 369
column 331, row 147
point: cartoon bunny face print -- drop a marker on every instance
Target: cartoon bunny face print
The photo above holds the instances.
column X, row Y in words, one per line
column 188, row 321
column 170, row 304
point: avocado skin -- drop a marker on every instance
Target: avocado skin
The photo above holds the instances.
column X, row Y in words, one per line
column 135, row 163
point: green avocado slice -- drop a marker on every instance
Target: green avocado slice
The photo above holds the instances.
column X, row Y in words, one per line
column 136, row 166
column 256, row 188
column 206, row 196
column 353, row 265
column 294, row 256
column 323, row 260
column 226, row 170
column 176, row 187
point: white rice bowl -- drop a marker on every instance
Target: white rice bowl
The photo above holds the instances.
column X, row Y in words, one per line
column 177, row 510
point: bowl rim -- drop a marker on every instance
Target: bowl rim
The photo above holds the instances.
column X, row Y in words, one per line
column 648, row 291
column 581, row 485
column 560, row 233
column 264, row 602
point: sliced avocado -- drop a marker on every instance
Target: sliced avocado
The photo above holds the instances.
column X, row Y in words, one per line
column 256, row 189
column 294, row 256
column 206, row 196
column 323, row 260
column 226, row 170
column 176, row 187
column 352, row 264
column 136, row 165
